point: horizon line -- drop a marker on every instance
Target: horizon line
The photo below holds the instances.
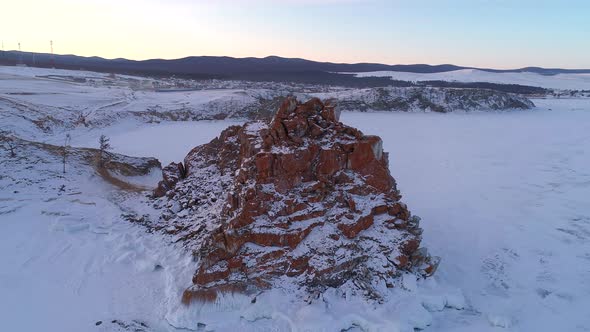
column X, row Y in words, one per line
column 298, row 58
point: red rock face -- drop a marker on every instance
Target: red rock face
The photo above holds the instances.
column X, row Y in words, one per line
column 303, row 199
column 171, row 174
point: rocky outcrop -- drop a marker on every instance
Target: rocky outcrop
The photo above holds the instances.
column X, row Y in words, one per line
column 302, row 201
column 420, row 99
column 171, row 174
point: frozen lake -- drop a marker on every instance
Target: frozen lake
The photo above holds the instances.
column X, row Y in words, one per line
column 504, row 200
column 169, row 141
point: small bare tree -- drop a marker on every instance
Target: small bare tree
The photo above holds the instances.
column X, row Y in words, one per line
column 104, row 147
column 65, row 150
column 9, row 144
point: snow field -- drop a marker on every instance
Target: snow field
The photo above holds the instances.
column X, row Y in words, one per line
column 503, row 199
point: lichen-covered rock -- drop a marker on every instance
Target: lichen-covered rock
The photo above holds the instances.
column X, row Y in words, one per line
column 302, row 201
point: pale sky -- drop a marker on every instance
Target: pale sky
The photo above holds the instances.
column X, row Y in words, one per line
column 481, row 33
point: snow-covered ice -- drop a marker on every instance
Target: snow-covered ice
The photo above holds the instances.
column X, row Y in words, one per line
column 168, row 141
column 504, row 200
column 559, row 81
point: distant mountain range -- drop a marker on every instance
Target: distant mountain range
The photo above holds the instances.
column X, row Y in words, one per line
column 270, row 68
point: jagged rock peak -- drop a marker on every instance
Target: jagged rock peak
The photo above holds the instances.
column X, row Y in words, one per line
column 300, row 202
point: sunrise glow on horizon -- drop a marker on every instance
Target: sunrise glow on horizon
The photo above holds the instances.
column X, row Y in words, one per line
column 494, row 34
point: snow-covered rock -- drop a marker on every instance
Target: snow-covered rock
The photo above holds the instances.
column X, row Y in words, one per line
column 413, row 99
column 303, row 201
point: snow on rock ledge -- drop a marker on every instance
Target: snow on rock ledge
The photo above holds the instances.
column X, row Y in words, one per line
column 301, row 203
